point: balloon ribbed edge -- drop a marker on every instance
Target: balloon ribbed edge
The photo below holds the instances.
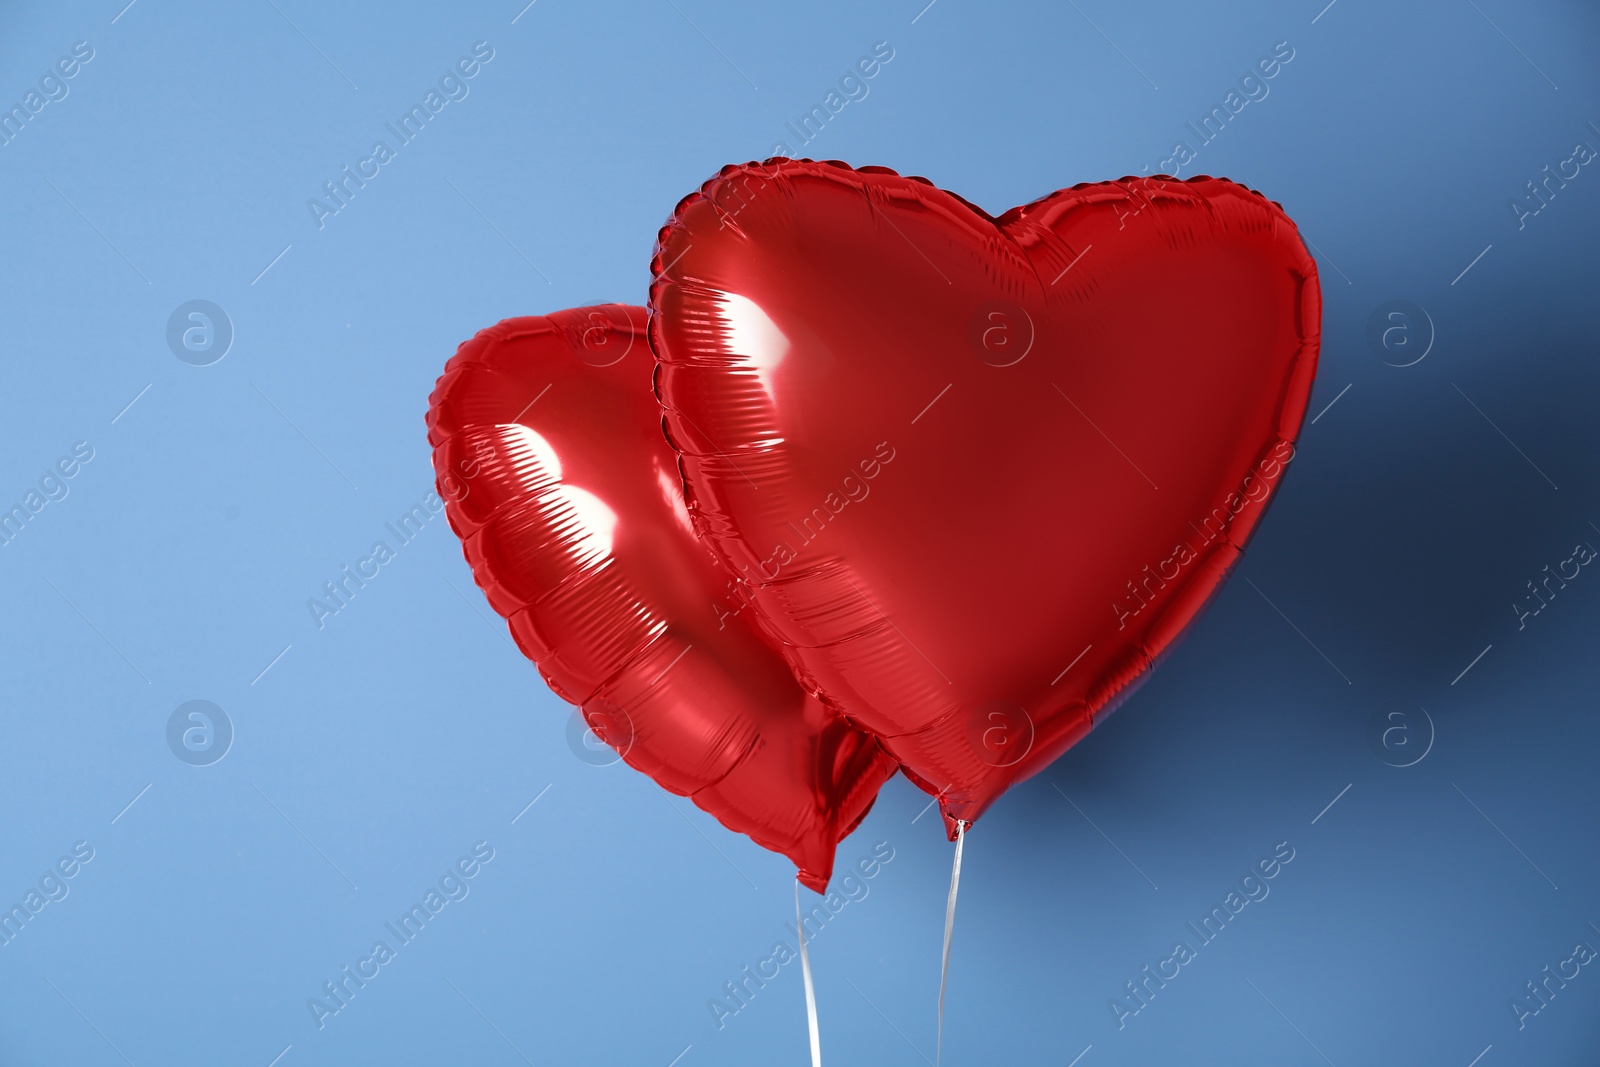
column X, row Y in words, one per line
column 774, row 166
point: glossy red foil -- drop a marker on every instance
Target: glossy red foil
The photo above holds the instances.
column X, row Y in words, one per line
column 549, row 454
column 979, row 473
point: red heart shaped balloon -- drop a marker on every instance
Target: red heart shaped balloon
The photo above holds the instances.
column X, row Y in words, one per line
column 549, row 454
column 979, row 473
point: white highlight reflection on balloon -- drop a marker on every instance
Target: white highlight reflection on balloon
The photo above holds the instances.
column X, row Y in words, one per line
column 592, row 525
column 753, row 338
column 595, row 524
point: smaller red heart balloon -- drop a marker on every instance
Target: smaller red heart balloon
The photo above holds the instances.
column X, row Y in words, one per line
column 979, row 472
column 549, row 455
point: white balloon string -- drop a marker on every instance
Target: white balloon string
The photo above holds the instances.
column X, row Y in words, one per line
column 949, row 925
column 805, row 973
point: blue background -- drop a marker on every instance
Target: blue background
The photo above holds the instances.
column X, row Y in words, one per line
column 370, row 754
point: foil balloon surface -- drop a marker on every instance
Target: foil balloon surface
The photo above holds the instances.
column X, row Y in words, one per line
column 549, row 453
column 979, row 473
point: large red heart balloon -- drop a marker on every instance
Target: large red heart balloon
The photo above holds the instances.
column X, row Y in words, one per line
column 549, row 453
column 978, row 472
